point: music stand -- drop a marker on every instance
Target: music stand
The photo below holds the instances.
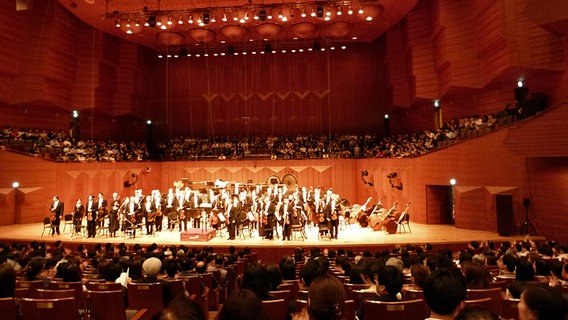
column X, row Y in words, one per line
column 527, row 225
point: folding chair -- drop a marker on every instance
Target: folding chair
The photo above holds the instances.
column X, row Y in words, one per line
column 46, row 225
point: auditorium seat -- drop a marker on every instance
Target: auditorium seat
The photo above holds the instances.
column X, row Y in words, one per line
column 8, row 307
column 109, row 305
column 276, row 309
column 103, row 286
column 484, row 302
column 146, row 296
column 60, row 309
column 400, row 310
column 286, row 295
column 509, row 309
column 496, row 295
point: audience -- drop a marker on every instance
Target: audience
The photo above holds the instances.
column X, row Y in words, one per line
column 542, row 303
column 445, row 293
column 326, row 298
column 242, row 304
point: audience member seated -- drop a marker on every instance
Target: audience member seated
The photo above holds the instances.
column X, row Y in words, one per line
column 34, row 270
column 181, row 308
column 475, row 313
column 7, row 281
column 151, row 267
column 445, row 293
column 418, row 273
column 542, row 303
column 476, row 276
column 257, row 279
column 242, row 304
column 326, row 299
column 524, row 275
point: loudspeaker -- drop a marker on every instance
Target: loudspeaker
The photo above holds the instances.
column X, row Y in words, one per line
column 126, row 184
column 505, row 216
column 526, row 202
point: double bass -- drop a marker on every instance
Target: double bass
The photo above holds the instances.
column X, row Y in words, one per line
column 364, row 213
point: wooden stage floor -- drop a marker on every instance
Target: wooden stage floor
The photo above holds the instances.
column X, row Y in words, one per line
column 352, row 236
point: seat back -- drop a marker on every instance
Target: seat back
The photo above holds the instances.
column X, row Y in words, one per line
column 60, row 309
column 275, row 309
column 400, row 310
column 496, row 295
column 32, row 285
column 54, row 294
column 509, row 309
column 146, row 296
column 177, row 287
column 286, row 295
column 106, row 305
column 412, row 294
column 103, row 286
column 77, row 287
column 483, row 302
column 8, row 307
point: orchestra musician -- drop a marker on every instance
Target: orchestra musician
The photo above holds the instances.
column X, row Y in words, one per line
column 331, row 214
column 91, row 217
column 169, row 209
column 133, row 214
column 182, row 211
column 149, row 212
column 285, row 213
column 195, row 203
column 113, row 214
column 56, row 209
column 101, row 210
column 269, row 209
column 157, row 198
column 78, row 213
column 233, row 212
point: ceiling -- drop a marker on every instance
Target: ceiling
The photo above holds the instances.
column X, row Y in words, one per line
column 248, row 23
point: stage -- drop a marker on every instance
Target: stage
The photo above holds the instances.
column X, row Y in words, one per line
column 351, row 236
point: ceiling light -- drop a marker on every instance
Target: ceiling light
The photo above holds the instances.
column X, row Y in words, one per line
column 339, row 11
column 170, row 22
column 224, row 17
column 360, row 10
column 313, row 14
column 128, row 23
column 269, row 16
column 163, row 27
column 236, row 17
column 213, row 19
column 256, row 17
column 190, row 20
column 280, row 14
column 304, row 13
column 117, row 24
column 284, row 19
column 369, row 18
column 246, row 16
column 328, row 12
column 350, row 11
column 137, row 23
column 327, row 18
column 128, row 31
column 180, row 20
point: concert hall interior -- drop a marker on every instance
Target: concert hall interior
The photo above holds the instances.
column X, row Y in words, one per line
column 450, row 114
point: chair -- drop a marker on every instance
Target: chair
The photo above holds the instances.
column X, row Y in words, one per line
column 109, row 305
column 323, row 231
column 400, row 310
column 103, row 229
column 484, row 302
column 403, row 222
column 509, row 309
column 275, row 309
column 178, row 287
column 46, row 225
column 298, row 228
column 350, row 288
column 499, row 284
column 31, row 285
column 103, row 286
column 286, row 295
column 77, row 287
column 146, row 296
column 54, row 294
column 60, row 309
column 68, row 221
column 496, row 294
column 8, row 307
column 412, row 294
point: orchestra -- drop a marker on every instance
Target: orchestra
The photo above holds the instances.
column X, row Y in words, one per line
column 270, row 210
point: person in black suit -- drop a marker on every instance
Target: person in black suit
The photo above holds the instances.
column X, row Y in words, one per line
column 149, row 211
column 91, row 217
column 56, row 212
column 78, row 212
column 269, row 209
column 195, row 203
column 233, row 211
column 102, row 211
column 331, row 214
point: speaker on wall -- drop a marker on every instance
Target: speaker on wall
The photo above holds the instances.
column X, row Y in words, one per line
column 526, row 202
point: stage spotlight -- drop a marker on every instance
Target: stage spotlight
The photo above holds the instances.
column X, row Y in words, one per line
column 151, row 21
column 15, row 184
column 319, row 12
